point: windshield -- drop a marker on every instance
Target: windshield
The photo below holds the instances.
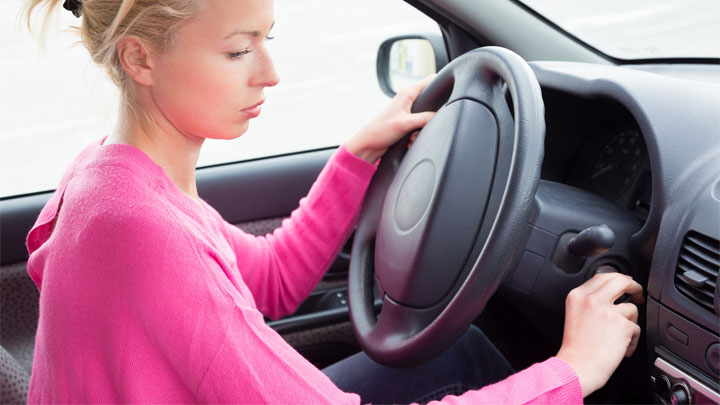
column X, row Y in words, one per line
column 641, row 29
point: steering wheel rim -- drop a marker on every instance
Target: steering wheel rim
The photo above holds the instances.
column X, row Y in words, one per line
column 441, row 201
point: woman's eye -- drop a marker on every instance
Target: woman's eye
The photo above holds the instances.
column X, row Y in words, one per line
column 239, row 54
column 269, row 38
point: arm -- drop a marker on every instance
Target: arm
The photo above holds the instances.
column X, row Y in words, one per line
column 550, row 382
column 598, row 334
column 281, row 269
column 255, row 365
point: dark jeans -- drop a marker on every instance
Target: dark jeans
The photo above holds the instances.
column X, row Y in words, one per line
column 471, row 363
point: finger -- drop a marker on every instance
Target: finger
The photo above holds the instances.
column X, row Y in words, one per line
column 419, row 120
column 417, row 87
column 413, row 136
column 408, row 94
column 628, row 310
column 596, row 282
column 633, row 341
column 617, row 286
column 637, row 294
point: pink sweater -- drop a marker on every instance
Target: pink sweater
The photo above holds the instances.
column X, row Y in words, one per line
column 148, row 296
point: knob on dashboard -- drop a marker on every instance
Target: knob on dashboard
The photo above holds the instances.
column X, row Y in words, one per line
column 680, row 395
column 712, row 357
column 663, row 386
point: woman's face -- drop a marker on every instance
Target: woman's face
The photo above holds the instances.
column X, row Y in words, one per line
column 210, row 83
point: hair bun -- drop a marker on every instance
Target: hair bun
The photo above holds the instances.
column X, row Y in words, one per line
column 74, row 6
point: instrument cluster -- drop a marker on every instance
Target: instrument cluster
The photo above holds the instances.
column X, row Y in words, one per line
column 615, row 165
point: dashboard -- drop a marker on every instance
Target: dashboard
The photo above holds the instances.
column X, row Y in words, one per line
column 596, row 145
column 647, row 140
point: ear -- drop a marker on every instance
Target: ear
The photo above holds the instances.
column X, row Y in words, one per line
column 135, row 60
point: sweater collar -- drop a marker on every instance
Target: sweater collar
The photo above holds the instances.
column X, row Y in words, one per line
column 139, row 162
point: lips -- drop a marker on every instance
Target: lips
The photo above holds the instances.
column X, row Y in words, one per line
column 254, row 111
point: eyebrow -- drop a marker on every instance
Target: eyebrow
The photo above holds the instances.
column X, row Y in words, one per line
column 254, row 34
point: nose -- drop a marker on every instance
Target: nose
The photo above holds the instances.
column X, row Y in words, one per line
column 266, row 76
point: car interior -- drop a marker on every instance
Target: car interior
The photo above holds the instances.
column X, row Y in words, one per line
column 626, row 179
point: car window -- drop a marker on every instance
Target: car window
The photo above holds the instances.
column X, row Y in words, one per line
column 55, row 102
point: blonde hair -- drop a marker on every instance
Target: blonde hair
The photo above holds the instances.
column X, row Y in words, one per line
column 104, row 23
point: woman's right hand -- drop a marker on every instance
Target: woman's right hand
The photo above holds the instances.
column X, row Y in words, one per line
column 391, row 125
column 599, row 333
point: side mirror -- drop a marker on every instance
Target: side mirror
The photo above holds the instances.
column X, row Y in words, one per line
column 406, row 59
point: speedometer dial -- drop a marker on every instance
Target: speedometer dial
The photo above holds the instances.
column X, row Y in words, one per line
column 617, row 163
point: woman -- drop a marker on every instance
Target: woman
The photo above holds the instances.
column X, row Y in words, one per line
column 148, row 295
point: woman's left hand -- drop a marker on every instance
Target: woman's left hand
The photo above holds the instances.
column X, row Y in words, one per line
column 388, row 127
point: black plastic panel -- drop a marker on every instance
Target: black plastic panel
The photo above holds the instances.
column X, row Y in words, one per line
column 538, row 286
column 17, row 216
column 702, row 216
column 685, row 339
column 321, row 308
column 265, row 188
column 679, row 122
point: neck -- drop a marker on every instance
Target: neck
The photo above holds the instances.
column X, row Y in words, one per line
column 174, row 152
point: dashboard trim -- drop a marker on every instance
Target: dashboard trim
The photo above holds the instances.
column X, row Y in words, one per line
column 696, row 385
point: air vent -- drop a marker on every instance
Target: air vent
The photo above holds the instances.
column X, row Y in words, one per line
column 697, row 268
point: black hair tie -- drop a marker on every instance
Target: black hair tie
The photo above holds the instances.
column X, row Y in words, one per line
column 74, row 6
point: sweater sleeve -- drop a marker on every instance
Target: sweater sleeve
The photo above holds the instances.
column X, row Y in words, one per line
column 278, row 378
column 254, row 365
column 282, row 268
column 550, row 382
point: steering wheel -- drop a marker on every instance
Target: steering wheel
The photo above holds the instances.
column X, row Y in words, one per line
column 443, row 222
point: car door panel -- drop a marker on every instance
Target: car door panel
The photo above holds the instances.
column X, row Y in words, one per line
column 262, row 188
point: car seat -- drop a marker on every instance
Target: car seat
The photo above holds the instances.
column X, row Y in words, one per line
column 18, row 323
column 14, row 380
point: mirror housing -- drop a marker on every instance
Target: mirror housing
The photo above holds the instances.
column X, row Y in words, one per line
column 405, row 59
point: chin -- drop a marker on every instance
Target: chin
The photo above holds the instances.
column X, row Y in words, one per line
column 231, row 133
